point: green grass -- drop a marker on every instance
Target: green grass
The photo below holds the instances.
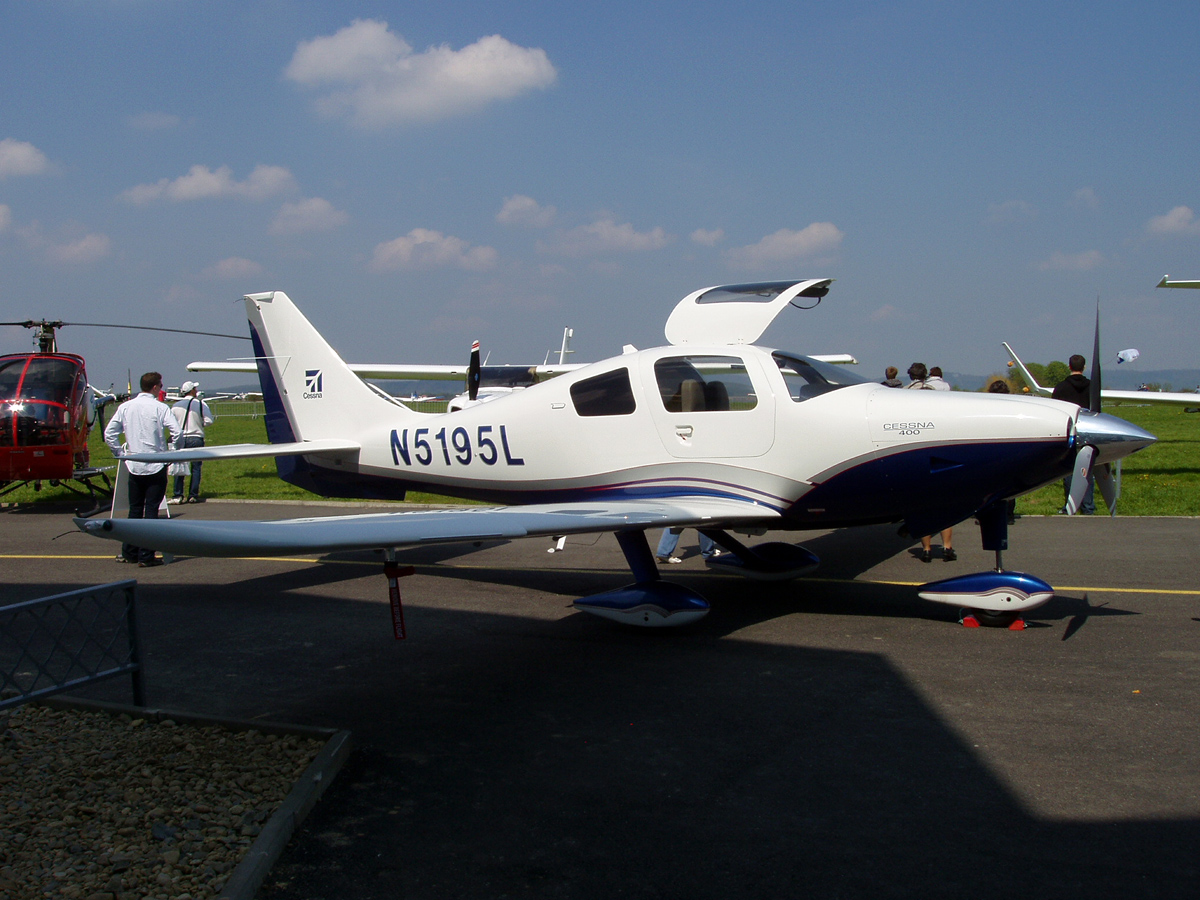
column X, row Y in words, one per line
column 1163, row 480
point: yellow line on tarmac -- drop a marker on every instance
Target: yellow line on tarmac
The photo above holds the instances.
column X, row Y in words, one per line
column 433, row 567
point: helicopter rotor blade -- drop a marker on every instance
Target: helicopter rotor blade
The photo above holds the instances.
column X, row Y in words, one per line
column 34, row 323
column 236, row 337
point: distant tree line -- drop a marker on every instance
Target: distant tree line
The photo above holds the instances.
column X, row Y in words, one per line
column 1050, row 375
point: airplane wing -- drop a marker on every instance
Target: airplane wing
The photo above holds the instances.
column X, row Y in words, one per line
column 1155, row 398
column 420, row 527
column 387, row 370
column 1163, row 398
column 1177, row 283
column 325, row 447
column 837, row 359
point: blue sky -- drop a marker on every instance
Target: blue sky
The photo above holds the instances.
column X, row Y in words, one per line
column 416, row 176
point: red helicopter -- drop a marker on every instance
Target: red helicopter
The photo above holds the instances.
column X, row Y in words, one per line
column 46, row 407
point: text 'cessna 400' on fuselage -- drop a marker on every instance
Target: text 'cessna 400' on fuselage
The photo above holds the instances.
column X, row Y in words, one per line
column 709, row 432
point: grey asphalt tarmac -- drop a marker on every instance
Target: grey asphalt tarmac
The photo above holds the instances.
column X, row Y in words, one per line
column 831, row 737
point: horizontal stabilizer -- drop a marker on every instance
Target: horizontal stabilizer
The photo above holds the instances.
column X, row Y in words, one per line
column 325, row 447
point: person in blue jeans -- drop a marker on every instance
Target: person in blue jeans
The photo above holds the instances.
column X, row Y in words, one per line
column 670, row 541
column 193, row 416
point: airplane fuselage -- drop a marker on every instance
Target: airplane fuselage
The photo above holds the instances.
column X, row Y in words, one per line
column 738, row 422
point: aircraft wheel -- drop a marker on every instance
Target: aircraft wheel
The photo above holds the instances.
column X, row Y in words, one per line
column 994, row 619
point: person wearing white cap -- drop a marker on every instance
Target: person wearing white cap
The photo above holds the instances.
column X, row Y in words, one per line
column 193, row 416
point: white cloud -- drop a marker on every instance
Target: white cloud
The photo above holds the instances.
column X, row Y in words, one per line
column 1085, row 198
column 884, row 313
column 85, row 250
column 201, row 183
column 372, row 77
column 233, row 267
column 154, row 121
column 1010, row 212
column 21, row 158
column 606, row 236
column 521, row 210
column 706, row 237
column 786, row 245
column 423, row 248
column 1072, row 262
column 1180, row 220
column 314, row 214
column 5, row 217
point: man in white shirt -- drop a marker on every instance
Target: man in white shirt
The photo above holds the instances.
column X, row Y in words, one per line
column 193, row 416
column 142, row 420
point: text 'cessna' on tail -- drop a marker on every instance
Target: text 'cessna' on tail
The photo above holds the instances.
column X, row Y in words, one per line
column 710, row 432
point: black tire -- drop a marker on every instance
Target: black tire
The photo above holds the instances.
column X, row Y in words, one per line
column 993, row 619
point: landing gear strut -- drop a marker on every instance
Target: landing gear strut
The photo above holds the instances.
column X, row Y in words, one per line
column 649, row 602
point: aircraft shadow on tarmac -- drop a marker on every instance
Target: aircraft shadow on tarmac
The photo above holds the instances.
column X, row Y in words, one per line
column 504, row 756
column 845, row 555
column 569, row 757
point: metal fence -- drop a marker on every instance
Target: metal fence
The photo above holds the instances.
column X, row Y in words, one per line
column 59, row 643
column 247, row 409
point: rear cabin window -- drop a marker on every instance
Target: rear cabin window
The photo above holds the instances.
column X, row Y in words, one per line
column 604, row 395
column 704, row 384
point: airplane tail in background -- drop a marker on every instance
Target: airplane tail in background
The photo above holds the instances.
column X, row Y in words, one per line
column 308, row 390
column 1026, row 374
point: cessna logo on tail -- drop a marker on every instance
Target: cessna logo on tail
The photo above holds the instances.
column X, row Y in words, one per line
column 312, row 383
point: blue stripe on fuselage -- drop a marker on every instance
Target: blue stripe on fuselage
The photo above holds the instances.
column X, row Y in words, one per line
column 962, row 478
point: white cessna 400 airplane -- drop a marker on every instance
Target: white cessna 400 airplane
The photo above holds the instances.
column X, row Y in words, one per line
column 710, row 432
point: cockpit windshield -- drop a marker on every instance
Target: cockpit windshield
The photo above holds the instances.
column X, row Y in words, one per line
column 807, row 378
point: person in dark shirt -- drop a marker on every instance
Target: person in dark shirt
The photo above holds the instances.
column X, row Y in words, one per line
column 1077, row 388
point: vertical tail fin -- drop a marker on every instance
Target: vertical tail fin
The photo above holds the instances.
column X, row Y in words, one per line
column 308, row 390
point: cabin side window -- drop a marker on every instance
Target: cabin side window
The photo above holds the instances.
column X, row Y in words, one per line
column 609, row 394
column 704, row 384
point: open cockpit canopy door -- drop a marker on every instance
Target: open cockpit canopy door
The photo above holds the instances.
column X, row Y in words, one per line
column 738, row 313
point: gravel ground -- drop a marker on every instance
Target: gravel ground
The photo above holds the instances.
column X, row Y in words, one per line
column 103, row 807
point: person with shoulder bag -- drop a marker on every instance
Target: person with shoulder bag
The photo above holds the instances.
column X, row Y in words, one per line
column 193, row 416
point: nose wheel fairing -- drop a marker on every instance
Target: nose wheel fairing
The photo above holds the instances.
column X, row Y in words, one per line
column 997, row 597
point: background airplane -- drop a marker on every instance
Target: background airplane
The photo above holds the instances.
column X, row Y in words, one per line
column 711, row 432
column 1177, row 283
column 1141, row 398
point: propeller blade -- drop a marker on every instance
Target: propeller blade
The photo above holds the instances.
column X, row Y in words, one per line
column 1079, row 478
column 1094, row 398
column 474, row 372
column 1108, row 487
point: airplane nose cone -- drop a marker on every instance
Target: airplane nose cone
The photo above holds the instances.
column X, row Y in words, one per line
column 1112, row 437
